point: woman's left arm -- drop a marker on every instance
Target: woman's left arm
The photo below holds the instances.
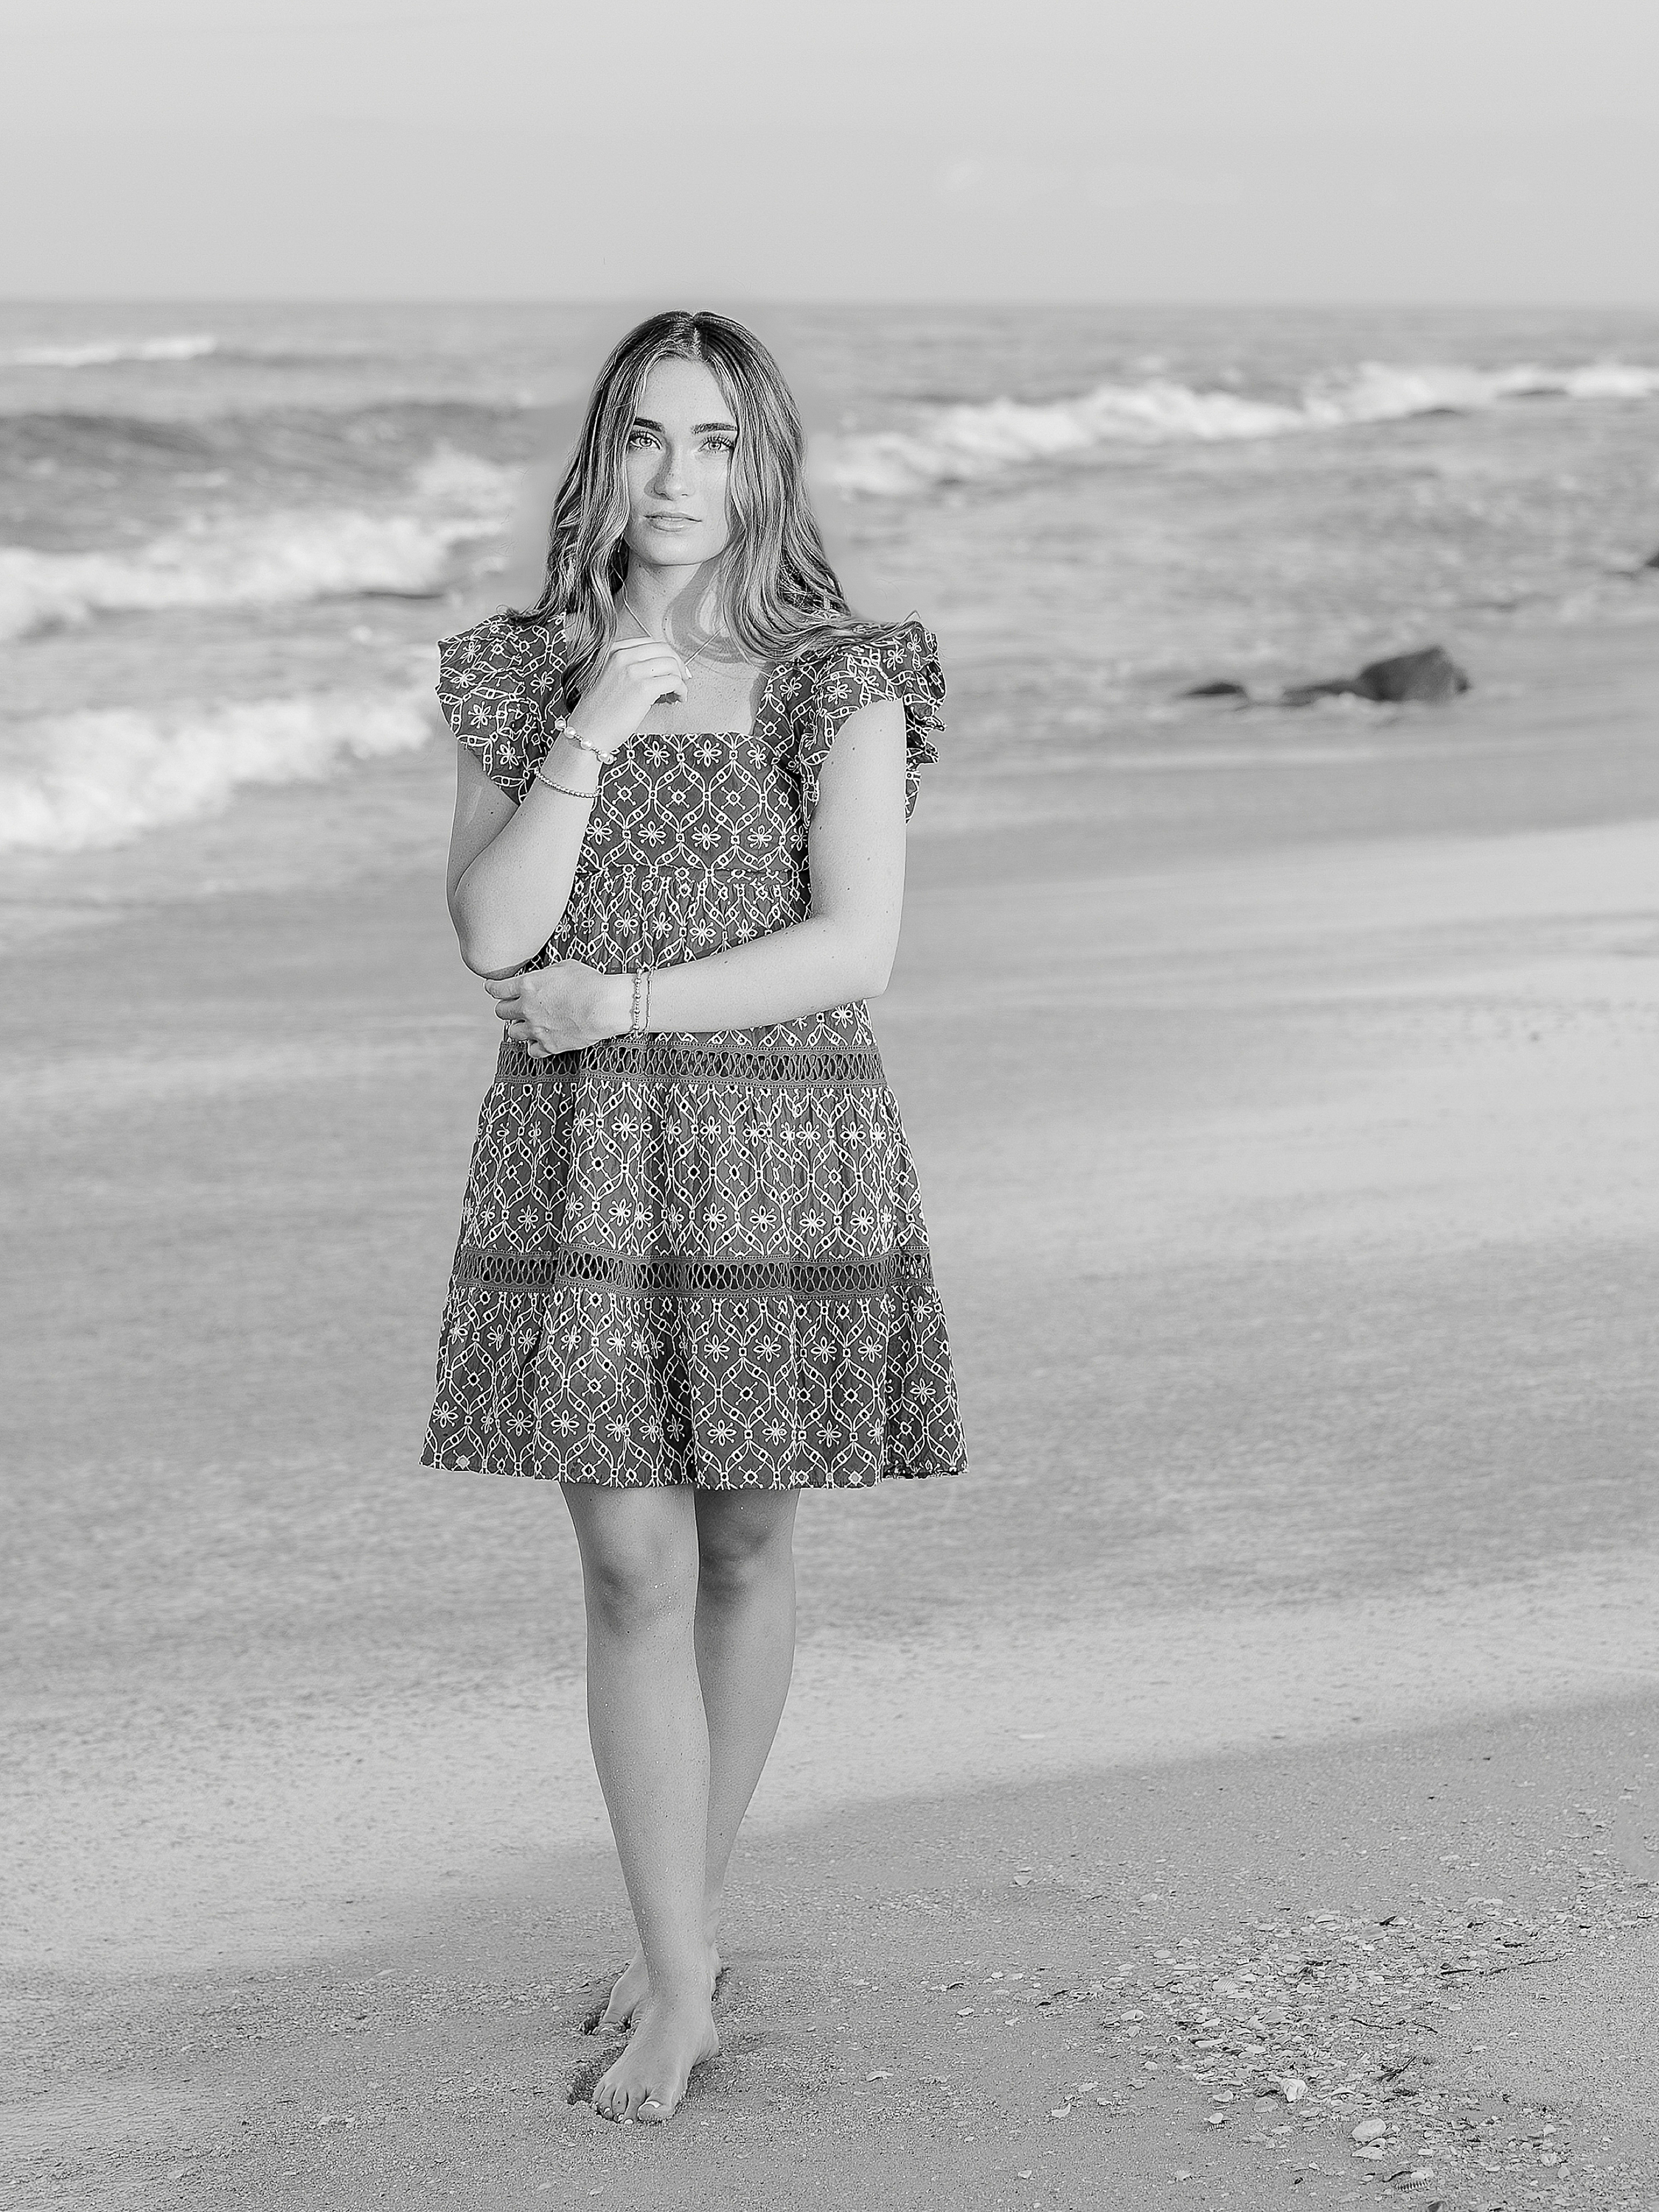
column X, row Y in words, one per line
column 843, row 951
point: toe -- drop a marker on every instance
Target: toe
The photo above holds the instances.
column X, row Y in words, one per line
column 627, row 1992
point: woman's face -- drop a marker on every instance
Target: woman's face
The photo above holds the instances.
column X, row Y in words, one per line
column 679, row 457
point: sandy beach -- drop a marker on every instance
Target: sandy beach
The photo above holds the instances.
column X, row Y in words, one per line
column 1282, row 1101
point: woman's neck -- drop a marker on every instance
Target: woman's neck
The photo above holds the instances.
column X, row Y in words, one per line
column 671, row 603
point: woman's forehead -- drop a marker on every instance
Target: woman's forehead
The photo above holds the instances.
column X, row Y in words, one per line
column 687, row 388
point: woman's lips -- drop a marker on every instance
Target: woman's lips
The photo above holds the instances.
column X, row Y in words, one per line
column 671, row 521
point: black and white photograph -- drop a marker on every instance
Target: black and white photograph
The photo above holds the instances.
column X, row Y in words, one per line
column 828, row 1092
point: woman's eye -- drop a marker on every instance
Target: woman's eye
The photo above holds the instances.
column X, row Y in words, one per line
column 641, row 441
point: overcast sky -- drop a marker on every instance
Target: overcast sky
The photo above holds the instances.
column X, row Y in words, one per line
column 1435, row 150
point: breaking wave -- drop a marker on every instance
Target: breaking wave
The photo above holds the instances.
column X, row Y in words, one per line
column 106, row 777
column 102, row 353
column 452, row 477
column 304, row 553
column 964, row 443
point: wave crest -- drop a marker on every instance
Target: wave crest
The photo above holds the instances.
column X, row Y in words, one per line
column 105, row 777
column 264, row 560
column 276, row 557
column 101, row 353
column 963, row 444
column 450, row 477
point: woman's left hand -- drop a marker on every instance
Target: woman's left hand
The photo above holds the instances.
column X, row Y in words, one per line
column 563, row 1008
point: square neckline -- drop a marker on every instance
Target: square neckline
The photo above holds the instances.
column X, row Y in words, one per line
column 738, row 737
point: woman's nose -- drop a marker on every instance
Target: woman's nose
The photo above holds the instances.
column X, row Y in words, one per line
column 671, row 476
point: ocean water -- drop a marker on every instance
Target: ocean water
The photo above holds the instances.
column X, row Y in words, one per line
column 232, row 535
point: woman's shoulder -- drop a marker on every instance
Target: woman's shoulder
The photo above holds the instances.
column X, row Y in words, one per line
column 860, row 666
column 496, row 682
column 506, row 649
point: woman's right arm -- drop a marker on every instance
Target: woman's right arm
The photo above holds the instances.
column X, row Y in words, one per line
column 512, row 863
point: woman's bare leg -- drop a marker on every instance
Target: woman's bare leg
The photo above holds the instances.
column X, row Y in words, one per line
column 645, row 1715
column 746, row 1648
column 746, row 1641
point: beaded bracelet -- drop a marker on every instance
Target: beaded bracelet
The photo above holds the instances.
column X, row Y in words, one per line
column 635, row 1023
column 563, row 728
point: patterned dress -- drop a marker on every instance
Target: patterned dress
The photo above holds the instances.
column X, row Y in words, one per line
column 694, row 1258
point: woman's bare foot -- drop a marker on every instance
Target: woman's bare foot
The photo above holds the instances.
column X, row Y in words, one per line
column 674, row 2034
column 633, row 1986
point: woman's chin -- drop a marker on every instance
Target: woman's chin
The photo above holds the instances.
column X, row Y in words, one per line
column 669, row 546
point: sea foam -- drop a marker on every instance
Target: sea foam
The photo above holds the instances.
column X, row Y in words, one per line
column 103, row 778
column 245, row 560
column 189, row 345
column 274, row 557
column 963, row 444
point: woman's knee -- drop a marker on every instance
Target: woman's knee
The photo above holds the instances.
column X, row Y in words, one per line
column 640, row 1562
column 744, row 1542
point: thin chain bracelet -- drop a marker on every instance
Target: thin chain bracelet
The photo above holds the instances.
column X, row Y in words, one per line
column 635, row 1027
column 568, row 791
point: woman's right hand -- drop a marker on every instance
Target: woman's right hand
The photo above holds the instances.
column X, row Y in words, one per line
column 637, row 672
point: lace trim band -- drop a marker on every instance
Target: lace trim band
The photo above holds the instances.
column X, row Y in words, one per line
column 663, row 1060
column 800, row 1281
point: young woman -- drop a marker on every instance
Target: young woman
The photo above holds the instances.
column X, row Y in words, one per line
column 692, row 1278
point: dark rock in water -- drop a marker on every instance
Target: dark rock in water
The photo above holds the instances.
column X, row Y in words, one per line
column 1220, row 690
column 1652, row 561
column 1334, row 687
column 1431, row 674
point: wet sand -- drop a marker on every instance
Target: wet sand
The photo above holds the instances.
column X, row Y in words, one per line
column 946, row 2001
column 1284, row 1125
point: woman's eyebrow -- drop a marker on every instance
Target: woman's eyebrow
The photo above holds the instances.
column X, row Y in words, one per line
column 650, row 422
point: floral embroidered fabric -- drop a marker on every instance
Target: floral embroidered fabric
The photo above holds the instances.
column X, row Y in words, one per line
column 698, row 1258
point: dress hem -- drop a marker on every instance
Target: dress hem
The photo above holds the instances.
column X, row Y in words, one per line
column 465, row 1465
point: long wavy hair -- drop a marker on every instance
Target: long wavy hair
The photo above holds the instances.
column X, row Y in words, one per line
column 777, row 590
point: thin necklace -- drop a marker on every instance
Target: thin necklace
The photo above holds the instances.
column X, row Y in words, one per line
column 695, row 657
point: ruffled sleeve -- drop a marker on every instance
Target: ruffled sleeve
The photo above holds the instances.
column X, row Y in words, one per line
column 902, row 664
column 499, row 684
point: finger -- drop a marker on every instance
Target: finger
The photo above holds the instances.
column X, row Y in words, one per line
column 538, row 1052
column 645, row 656
column 502, row 987
column 653, row 678
column 508, row 1010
